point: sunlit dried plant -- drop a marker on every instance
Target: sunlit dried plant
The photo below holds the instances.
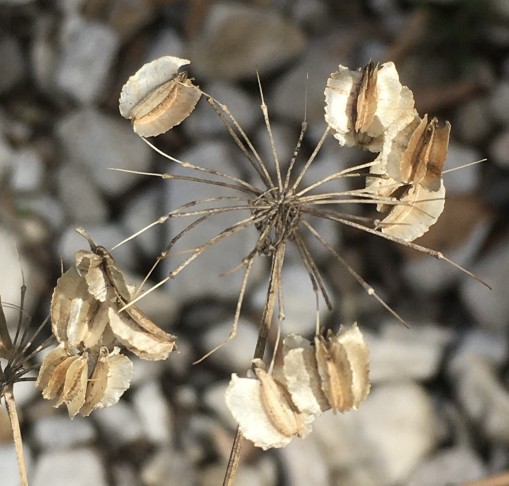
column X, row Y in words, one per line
column 16, row 362
column 367, row 108
column 87, row 370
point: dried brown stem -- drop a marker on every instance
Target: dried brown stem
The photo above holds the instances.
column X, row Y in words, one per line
column 16, row 434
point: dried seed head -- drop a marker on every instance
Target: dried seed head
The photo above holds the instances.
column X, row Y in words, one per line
column 264, row 411
column 157, row 98
column 84, row 381
column 363, row 106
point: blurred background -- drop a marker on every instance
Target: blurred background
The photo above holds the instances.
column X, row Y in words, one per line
column 438, row 413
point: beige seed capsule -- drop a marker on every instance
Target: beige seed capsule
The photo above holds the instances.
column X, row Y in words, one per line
column 157, row 97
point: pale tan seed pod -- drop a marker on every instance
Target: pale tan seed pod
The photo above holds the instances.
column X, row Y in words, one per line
column 56, row 381
column 157, row 97
column 301, row 374
column 75, row 386
column 416, row 155
column 110, row 378
column 264, row 411
column 335, row 373
column 362, row 107
column 77, row 318
column 416, row 211
column 352, row 341
column 48, row 365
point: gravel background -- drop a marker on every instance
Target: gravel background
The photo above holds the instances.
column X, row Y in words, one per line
column 438, row 413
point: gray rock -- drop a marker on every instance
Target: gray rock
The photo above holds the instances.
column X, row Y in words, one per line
column 56, row 431
column 154, row 411
column 285, row 139
column 214, row 399
column 481, row 394
column 48, row 207
column 308, row 77
column 399, row 353
column 204, row 121
column 119, row 423
column 489, row 307
column 13, row 62
column 6, row 156
column 27, row 170
column 450, row 466
column 9, row 464
column 79, row 467
column 233, row 355
column 237, row 40
column 168, row 467
column 44, row 54
column 381, row 443
column 100, row 142
column 166, row 42
column 473, row 121
column 466, row 179
column 89, row 50
column 485, row 344
column 304, row 463
column 499, row 149
column 128, row 16
column 261, row 473
column 299, row 301
column 202, row 277
column 498, row 102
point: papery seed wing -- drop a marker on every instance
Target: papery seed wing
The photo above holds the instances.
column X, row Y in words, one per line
column 357, row 352
column 91, row 267
column 110, row 379
column 56, row 382
column 340, row 102
column 75, row 386
column 243, row 399
column 139, row 334
column 302, row 377
column 278, row 406
column 156, row 98
column 437, row 155
column 335, row 373
column 48, row 365
column 417, row 211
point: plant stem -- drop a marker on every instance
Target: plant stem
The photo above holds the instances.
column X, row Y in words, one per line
column 265, row 323
column 16, row 434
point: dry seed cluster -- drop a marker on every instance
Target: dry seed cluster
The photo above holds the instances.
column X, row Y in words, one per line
column 93, row 310
column 87, row 370
column 332, row 373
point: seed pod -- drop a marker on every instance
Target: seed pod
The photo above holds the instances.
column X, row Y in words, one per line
column 110, row 378
column 264, row 411
column 363, row 106
column 48, row 365
column 302, row 377
column 416, row 155
column 75, row 385
column 157, row 97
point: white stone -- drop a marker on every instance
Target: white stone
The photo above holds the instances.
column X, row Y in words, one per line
column 473, row 121
column 28, row 170
column 499, row 149
column 498, row 102
column 165, row 43
column 89, row 50
column 214, row 399
column 79, row 467
column 154, row 411
column 57, row 431
column 102, row 142
column 399, row 353
column 380, row 444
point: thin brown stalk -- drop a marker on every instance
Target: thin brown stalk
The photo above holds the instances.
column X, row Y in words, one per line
column 16, row 434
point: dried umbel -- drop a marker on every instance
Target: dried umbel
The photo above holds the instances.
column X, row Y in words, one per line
column 157, row 97
column 332, row 373
column 91, row 316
